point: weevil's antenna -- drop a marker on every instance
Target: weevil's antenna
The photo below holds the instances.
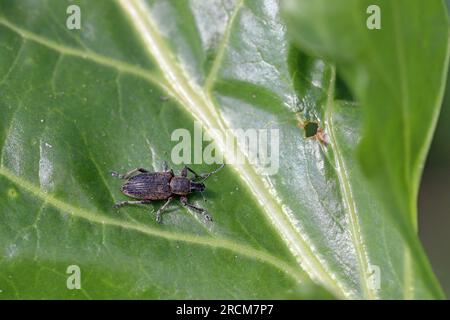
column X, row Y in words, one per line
column 206, row 176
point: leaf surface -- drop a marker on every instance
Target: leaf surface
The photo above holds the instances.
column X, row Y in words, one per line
column 78, row 104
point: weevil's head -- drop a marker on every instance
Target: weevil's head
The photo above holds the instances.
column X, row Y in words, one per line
column 197, row 186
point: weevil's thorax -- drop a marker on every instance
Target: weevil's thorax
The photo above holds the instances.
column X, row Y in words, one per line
column 180, row 186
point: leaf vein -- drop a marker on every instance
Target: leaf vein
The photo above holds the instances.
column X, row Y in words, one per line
column 88, row 55
column 219, row 243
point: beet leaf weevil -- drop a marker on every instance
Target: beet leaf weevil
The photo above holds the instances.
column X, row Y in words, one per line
column 149, row 186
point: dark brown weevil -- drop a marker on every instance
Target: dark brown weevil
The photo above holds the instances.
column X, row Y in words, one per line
column 150, row 186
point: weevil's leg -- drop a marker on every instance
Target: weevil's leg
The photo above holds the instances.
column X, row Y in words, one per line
column 166, row 167
column 185, row 203
column 160, row 210
column 193, row 172
column 124, row 203
column 185, row 170
column 128, row 174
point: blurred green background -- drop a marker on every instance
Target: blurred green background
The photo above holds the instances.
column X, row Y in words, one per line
column 434, row 198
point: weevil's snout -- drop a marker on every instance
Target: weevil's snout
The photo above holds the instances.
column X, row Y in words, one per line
column 197, row 186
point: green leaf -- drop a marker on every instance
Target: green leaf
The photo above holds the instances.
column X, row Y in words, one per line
column 397, row 74
column 77, row 104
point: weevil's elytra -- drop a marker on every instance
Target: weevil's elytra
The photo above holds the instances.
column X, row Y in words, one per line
column 148, row 186
column 152, row 186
